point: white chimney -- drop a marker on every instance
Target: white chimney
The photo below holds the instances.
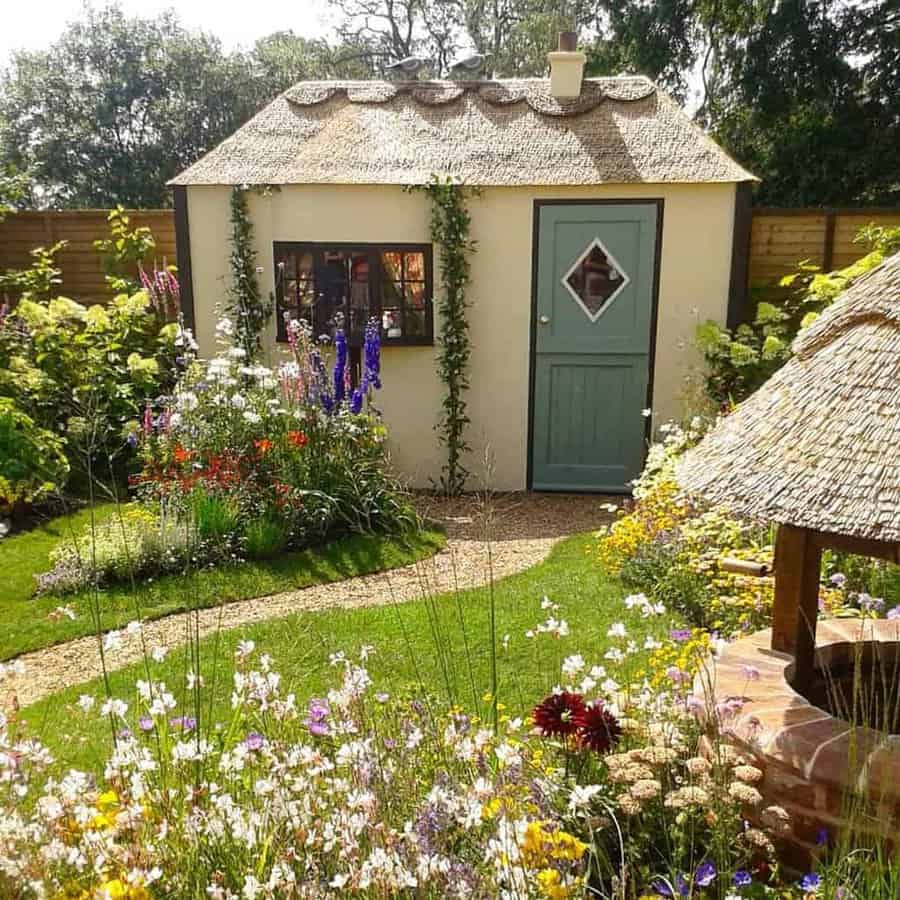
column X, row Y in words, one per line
column 566, row 67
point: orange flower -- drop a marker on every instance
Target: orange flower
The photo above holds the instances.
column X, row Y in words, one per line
column 181, row 455
column 297, row 439
column 264, row 445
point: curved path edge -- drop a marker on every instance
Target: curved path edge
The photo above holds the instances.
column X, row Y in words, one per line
column 462, row 564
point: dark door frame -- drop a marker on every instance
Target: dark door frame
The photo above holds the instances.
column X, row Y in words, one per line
column 659, row 203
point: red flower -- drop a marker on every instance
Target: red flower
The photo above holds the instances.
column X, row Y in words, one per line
column 558, row 713
column 181, row 455
column 598, row 728
column 297, row 439
column 263, row 445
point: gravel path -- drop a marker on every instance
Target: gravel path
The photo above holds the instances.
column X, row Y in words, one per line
column 512, row 533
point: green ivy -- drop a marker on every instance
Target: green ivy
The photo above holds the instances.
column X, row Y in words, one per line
column 739, row 361
column 250, row 310
column 450, row 223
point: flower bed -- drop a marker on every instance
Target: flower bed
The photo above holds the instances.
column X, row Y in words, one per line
column 244, row 461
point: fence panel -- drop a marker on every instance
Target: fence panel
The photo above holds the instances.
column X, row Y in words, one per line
column 781, row 238
column 82, row 269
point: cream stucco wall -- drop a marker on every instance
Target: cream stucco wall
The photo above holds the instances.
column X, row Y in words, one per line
column 694, row 276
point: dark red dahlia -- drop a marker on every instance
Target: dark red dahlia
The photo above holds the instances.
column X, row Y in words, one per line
column 557, row 714
column 598, row 729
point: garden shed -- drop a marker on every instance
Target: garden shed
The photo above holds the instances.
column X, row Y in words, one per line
column 607, row 225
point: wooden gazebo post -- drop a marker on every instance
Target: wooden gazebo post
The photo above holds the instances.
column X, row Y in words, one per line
column 798, row 562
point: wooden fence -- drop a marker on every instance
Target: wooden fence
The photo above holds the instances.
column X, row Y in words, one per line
column 82, row 268
column 779, row 239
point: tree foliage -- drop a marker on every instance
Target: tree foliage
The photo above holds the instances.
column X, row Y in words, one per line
column 118, row 105
column 802, row 92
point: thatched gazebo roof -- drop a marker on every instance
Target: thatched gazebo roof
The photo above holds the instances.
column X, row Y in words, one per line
column 818, row 445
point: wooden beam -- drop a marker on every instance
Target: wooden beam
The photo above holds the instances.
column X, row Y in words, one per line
column 739, row 282
column 888, row 550
column 798, row 561
column 183, row 256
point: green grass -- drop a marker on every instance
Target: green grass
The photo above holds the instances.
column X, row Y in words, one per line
column 26, row 625
column 439, row 646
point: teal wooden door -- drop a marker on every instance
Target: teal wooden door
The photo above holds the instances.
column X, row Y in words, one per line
column 595, row 283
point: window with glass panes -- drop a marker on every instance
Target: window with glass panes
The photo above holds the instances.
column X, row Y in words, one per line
column 327, row 284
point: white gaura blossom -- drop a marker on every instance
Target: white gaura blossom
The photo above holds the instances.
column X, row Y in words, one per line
column 114, row 707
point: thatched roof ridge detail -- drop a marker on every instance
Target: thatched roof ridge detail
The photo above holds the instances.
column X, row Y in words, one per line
column 506, row 132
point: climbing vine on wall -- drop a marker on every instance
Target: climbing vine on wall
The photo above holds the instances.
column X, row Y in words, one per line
column 450, row 222
column 251, row 311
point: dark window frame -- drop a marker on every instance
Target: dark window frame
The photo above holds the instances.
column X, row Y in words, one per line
column 377, row 276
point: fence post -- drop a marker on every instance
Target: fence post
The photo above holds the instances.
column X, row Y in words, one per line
column 828, row 248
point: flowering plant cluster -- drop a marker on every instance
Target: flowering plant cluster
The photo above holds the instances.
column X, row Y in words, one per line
column 277, row 457
column 673, row 551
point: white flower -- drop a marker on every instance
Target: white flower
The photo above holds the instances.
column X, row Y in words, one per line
column 252, row 888
column 114, row 707
column 646, row 413
column 112, row 641
column 414, row 739
column 609, row 686
column 158, row 654
column 581, row 796
column 245, row 648
column 187, row 401
column 617, row 630
column 225, row 327
column 651, row 643
column 86, row 702
column 572, row 665
column 507, row 755
column 133, row 628
column 366, row 651
column 185, row 338
column 236, row 352
column 614, row 654
column 238, row 401
column 252, row 417
column 336, row 659
column 338, row 881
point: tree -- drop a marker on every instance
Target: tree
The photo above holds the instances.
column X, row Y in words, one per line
column 799, row 104
column 119, row 105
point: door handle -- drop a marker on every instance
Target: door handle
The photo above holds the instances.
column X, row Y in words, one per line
column 544, row 320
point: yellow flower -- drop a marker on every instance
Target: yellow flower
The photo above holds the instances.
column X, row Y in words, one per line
column 550, row 884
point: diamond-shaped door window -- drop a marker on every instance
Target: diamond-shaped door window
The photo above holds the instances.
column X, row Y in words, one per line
column 595, row 279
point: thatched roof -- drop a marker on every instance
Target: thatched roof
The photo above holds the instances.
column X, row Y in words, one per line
column 818, row 445
column 486, row 132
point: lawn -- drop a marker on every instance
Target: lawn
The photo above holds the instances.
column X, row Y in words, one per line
column 438, row 646
column 30, row 622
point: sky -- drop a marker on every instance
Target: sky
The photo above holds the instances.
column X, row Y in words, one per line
column 35, row 24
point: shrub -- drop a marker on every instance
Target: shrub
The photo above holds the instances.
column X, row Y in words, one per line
column 85, row 373
column 740, row 361
column 32, row 464
column 117, row 549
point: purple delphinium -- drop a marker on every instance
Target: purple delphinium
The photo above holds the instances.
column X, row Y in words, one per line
column 810, row 882
column 371, row 367
column 742, row 878
column 664, row 889
column 705, row 874
column 317, row 717
column 340, row 365
column 822, row 837
column 254, row 741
